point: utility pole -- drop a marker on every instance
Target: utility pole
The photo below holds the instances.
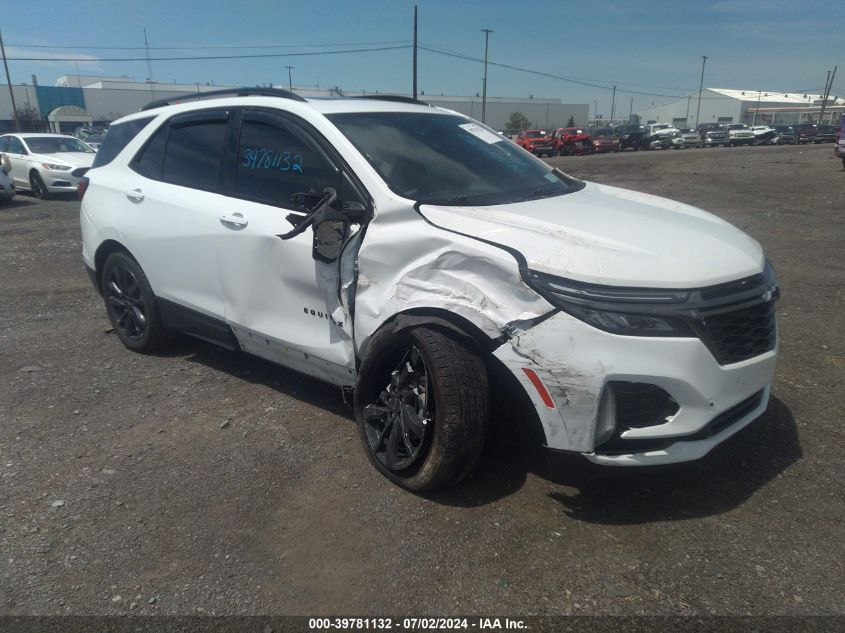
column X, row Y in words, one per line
column 700, row 88
column 631, row 110
column 290, row 77
column 827, row 87
column 9, row 83
column 484, row 85
column 612, row 105
column 147, row 52
column 415, row 51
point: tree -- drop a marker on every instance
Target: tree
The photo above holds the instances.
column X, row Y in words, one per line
column 516, row 123
column 571, row 121
column 30, row 119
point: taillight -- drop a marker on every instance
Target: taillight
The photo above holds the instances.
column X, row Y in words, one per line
column 82, row 187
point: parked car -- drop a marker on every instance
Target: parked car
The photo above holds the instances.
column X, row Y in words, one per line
column 7, row 187
column 839, row 147
column 537, row 142
column 661, row 135
column 785, row 135
column 92, row 136
column 740, row 134
column 634, row 137
column 807, row 132
column 713, row 134
column 827, row 134
column 572, row 141
column 606, row 140
column 46, row 163
column 686, row 138
column 404, row 253
column 763, row 134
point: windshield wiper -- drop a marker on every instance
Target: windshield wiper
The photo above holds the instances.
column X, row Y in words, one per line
column 541, row 192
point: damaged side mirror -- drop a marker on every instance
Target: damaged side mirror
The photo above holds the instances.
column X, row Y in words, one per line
column 329, row 237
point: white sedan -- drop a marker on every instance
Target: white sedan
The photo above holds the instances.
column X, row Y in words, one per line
column 46, row 163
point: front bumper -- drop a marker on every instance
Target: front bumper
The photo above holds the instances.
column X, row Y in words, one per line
column 840, row 149
column 575, row 363
column 60, row 181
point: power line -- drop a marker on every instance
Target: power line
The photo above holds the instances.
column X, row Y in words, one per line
column 610, row 82
column 541, row 73
column 212, row 47
column 207, row 57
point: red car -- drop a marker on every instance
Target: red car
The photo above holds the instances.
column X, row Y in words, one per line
column 537, row 142
column 606, row 140
column 570, row 141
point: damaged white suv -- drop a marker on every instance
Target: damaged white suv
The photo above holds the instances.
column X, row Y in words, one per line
column 402, row 251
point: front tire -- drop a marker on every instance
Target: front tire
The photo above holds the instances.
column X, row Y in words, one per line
column 423, row 406
column 37, row 186
column 131, row 305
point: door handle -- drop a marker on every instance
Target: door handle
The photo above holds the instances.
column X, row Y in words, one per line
column 234, row 221
column 135, row 195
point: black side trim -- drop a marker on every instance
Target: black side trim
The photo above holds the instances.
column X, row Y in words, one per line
column 178, row 317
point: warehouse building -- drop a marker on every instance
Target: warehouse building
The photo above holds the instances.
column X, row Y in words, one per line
column 85, row 100
column 723, row 105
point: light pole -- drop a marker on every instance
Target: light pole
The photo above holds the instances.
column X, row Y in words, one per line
column 290, row 79
column 484, row 85
column 700, row 88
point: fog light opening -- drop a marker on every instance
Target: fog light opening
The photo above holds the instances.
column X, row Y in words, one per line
column 606, row 418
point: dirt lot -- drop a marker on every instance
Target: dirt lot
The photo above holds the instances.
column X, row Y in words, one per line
column 200, row 481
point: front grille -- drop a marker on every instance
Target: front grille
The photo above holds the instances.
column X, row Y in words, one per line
column 740, row 334
column 80, row 172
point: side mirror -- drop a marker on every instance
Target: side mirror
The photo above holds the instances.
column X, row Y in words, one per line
column 5, row 164
column 329, row 237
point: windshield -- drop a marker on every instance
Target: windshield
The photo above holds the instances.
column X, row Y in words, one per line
column 605, row 131
column 534, row 133
column 448, row 159
column 56, row 144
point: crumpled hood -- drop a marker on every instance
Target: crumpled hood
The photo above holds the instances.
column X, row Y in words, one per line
column 77, row 159
column 613, row 236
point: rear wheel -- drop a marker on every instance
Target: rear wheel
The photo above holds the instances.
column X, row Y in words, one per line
column 131, row 305
column 422, row 405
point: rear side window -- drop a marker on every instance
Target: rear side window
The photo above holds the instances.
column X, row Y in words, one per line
column 194, row 152
column 117, row 138
column 277, row 158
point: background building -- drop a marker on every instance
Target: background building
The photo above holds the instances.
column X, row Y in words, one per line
column 723, row 105
column 104, row 99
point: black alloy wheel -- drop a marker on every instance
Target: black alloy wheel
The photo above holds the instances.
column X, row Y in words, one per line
column 398, row 426
column 125, row 302
column 131, row 305
column 36, row 184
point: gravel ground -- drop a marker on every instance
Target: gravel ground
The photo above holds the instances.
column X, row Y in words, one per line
column 200, row 481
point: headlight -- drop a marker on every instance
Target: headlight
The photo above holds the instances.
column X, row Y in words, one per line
column 626, row 311
column 53, row 167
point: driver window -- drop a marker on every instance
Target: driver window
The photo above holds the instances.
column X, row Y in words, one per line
column 277, row 159
column 15, row 146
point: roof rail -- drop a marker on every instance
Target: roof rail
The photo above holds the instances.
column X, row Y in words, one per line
column 226, row 92
column 397, row 98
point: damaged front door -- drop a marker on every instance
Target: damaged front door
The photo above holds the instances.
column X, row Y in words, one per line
column 281, row 303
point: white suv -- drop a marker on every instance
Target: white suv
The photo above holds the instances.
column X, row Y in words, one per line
column 404, row 252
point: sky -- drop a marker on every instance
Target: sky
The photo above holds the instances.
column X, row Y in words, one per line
column 650, row 49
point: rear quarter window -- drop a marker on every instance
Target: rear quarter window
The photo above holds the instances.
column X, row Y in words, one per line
column 117, row 138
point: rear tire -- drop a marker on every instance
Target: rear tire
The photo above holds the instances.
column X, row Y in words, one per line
column 423, row 406
column 131, row 305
